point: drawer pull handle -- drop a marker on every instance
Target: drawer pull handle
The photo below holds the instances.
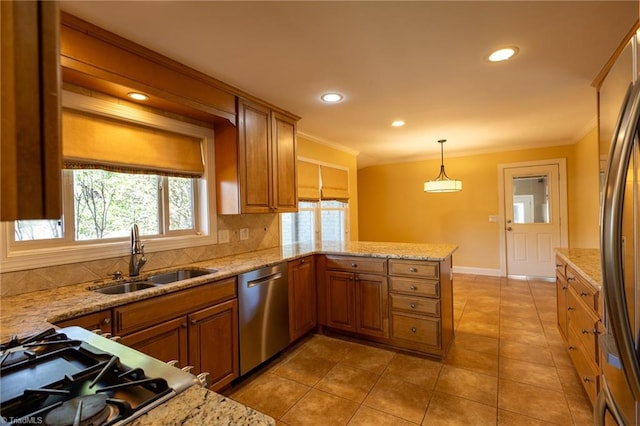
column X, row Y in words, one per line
column 586, row 379
column 413, row 305
column 413, row 287
column 585, row 331
column 571, row 309
column 570, row 278
column 571, row 348
column 413, row 329
column 583, row 294
column 564, row 287
column 413, row 270
column 106, row 321
column 559, row 265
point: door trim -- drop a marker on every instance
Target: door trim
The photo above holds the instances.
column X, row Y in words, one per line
column 562, row 187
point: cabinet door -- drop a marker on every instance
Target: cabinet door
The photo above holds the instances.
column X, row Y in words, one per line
column 95, row 321
column 166, row 341
column 285, row 188
column 213, row 343
column 254, row 149
column 302, row 297
column 561, row 299
column 372, row 316
column 340, row 300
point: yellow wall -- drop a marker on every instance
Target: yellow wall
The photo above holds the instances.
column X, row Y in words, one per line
column 394, row 207
column 584, row 207
column 332, row 156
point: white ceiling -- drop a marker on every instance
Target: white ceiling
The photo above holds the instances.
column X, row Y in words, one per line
column 422, row 62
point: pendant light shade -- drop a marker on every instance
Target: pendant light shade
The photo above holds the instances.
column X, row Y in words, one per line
column 442, row 183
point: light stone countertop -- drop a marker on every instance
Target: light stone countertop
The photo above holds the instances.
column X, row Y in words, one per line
column 29, row 313
column 586, row 262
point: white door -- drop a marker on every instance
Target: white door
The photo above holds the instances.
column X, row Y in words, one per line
column 532, row 219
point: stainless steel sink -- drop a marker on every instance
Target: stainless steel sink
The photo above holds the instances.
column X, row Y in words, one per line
column 178, row 275
column 125, row 287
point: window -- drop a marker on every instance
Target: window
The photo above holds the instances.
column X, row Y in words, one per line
column 100, row 204
column 315, row 221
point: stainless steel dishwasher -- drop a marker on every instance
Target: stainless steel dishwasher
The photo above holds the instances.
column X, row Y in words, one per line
column 263, row 299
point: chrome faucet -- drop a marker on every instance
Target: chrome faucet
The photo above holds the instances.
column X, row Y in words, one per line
column 137, row 260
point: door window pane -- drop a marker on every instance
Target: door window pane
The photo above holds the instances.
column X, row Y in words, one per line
column 531, row 199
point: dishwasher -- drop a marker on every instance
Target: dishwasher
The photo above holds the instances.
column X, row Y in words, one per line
column 263, row 299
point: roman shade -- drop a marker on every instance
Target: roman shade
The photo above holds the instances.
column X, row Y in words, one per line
column 308, row 181
column 335, row 184
column 92, row 141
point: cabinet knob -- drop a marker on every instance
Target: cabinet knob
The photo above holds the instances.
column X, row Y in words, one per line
column 571, row 348
column 413, row 270
column 354, row 265
column 184, row 325
column 413, row 287
column 302, row 261
column 558, row 265
column 413, row 329
column 571, row 308
column 193, row 322
column 586, row 379
column 583, row 294
column 106, row 321
column 564, row 287
column 413, row 305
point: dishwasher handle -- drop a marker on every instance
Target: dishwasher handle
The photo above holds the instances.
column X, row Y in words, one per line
column 264, row 280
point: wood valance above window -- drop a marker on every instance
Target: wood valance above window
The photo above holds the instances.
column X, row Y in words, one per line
column 92, row 141
column 335, row 184
column 308, row 181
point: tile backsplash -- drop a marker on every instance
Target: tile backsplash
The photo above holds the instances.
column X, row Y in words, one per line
column 263, row 233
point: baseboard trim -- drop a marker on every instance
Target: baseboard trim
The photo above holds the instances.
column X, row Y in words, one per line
column 477, row 271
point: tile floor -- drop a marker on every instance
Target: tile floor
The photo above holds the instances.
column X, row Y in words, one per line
column 507, row 366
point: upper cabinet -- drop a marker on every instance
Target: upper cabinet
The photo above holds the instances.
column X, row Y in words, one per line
column 30, row 128
column 256, row 169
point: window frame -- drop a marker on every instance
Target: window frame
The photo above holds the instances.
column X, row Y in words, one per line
column 317, row 210
column 41, row 253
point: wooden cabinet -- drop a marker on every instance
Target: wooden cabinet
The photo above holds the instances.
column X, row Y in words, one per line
column 197, row 326
column 579, row 320
column 357, row 301
column 256, row 172
column 95, row 321
column 302, row 297
column 562, row 287
column 417, row 305
column 31, row 159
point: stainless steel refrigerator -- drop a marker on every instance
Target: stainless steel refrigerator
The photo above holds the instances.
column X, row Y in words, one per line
column 619, row 397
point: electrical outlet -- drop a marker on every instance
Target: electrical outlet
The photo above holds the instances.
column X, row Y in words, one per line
column 223, row 236
column 244, row 234
column 493, row 218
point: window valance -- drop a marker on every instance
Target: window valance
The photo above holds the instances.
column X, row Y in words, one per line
column 335, row 184
column 308, row 181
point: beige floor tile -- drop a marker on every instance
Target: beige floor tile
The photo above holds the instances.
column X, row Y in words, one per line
column 413, row 369
column 348, row 382
column 366, row 416
column 478, row 328
column 471, row 360
column 320, row 408
column 447, row 409
column 478, row 316
column 560, row 354
column 368, row 358
column 476, row 343
column 328, row 348
column 540, row 375
column 528, row 324
column 571, row 382
column 533, row 401
column 468, row 384
column 508, row 418
column 398, row 398
column 580, row 407
column 304, row 369
column 271, row 394
column 522, row 336
column 524, row 352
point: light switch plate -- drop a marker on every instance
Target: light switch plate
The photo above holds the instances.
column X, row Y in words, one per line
column 493, row 218
column 244, row 233
column 223, row 236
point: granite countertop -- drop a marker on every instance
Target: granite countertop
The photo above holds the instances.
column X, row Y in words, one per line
column 197, row 406
column 586, row 262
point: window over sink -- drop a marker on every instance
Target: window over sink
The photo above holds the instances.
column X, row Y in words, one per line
column 170, row 201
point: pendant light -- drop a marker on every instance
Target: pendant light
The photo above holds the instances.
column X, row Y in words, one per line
column 442, row 183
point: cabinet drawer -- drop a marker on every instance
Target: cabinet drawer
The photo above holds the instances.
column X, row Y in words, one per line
column 95, row 321
column 423, row 330
column 357, row 264
column 587, row 371
column 414, row 268
column 586, row 292
column 420, row 305
column 417, row 287
column 583, row 323
column 139, row 315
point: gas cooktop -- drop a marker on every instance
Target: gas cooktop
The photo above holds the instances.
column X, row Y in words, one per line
column 75, row 377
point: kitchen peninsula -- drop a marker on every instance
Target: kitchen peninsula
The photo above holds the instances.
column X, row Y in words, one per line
column 399, row 325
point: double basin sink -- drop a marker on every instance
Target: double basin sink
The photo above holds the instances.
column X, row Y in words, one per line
column 136, row 284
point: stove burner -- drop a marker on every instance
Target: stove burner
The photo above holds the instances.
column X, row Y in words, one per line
column 85, row 410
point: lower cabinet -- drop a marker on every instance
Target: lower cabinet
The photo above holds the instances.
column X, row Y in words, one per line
column 302, row 297
column 197, row 327
column 95, row 321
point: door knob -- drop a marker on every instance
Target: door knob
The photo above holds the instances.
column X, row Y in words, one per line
column 509, row 228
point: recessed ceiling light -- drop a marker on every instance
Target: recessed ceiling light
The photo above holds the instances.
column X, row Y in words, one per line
column 332, row 97
column 398, row 123
column 138, row 96
column 503, row 54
